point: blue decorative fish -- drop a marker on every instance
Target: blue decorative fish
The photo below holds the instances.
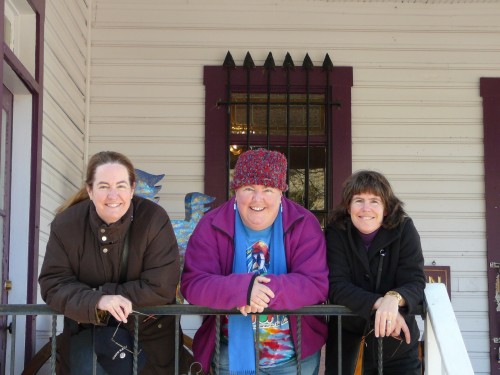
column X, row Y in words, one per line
column 195, row 205
column 145, row 185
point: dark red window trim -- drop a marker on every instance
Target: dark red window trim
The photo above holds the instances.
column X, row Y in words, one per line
column 216, row 144
column 490, row 93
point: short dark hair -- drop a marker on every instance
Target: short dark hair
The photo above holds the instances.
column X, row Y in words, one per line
column 367, row 181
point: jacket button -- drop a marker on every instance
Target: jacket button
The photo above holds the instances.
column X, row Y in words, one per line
column 105, row 250
column 159, row 325
column 104, row 238
column 367, row 276
column 103, row 230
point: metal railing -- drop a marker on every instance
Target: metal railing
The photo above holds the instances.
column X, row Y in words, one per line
column 441, row 334
column 177, row 310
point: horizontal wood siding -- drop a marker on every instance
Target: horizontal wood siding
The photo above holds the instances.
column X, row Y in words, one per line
column 64, row 115
column 416, row 107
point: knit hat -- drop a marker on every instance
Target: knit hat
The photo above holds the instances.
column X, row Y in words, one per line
column 260, row 167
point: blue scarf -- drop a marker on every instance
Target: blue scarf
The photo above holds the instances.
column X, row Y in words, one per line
column 240, row 329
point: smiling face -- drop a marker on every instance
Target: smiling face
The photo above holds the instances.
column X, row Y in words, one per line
column 111, row 192
column 367, row 212
column 258, row 205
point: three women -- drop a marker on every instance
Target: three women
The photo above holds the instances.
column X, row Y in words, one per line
column 259, row 250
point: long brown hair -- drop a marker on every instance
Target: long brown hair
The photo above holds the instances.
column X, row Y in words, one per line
column 366, row 181
column 101, row 158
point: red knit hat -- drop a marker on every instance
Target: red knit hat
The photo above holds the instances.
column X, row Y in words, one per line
column 260, row 167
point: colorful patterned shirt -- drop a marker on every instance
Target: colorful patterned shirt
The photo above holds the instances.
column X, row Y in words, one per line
column 275, row 342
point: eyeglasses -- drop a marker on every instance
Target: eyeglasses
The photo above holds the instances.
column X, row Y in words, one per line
column 149, row 316
column 125, row 347
column 122, row 347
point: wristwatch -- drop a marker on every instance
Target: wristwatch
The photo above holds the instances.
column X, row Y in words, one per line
column 398, row 296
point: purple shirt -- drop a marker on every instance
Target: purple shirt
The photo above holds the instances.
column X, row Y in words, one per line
column 367, row 238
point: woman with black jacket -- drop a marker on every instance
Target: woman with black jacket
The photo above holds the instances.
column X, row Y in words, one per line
column 376, row 269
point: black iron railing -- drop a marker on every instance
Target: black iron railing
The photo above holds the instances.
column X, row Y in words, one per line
column 329, row 311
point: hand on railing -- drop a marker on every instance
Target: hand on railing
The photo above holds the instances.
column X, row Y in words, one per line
column 260, row 297
column 117, row 305
column 388, row 319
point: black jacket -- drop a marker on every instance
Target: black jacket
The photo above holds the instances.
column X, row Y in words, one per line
column 353, row 272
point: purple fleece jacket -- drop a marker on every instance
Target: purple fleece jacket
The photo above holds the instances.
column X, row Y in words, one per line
column 207, row 279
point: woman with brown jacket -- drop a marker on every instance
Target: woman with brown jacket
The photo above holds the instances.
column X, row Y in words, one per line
column 80, row 275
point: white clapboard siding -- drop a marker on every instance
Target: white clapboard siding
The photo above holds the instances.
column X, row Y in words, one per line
column 416, row 109
column 64, row 115
column 64, row 105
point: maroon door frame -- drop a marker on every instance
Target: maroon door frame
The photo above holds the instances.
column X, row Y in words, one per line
column 35, row 86
column 490, row 92
column 7, row 105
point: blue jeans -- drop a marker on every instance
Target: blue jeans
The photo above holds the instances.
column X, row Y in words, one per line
column 81, row 354
column 308, row 366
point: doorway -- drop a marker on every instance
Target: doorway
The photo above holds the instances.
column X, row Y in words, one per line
column 5, row 174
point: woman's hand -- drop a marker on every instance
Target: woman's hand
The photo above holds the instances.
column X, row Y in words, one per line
column 245, row 310
column 259, row 297
column 399, row 326
column 118, row 306
column 385, row 316
column 261, row 294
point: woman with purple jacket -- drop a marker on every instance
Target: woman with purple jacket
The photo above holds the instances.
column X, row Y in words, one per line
column 258, row 250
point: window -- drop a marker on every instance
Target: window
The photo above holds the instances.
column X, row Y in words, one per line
column 20, row 32
column 303, row 112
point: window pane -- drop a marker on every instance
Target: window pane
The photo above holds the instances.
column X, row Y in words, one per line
column 20, row 31
column 317, row 177
column 258, row 114
column 234, row 152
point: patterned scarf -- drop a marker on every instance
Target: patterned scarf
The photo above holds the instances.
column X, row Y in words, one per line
column 240, row 329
